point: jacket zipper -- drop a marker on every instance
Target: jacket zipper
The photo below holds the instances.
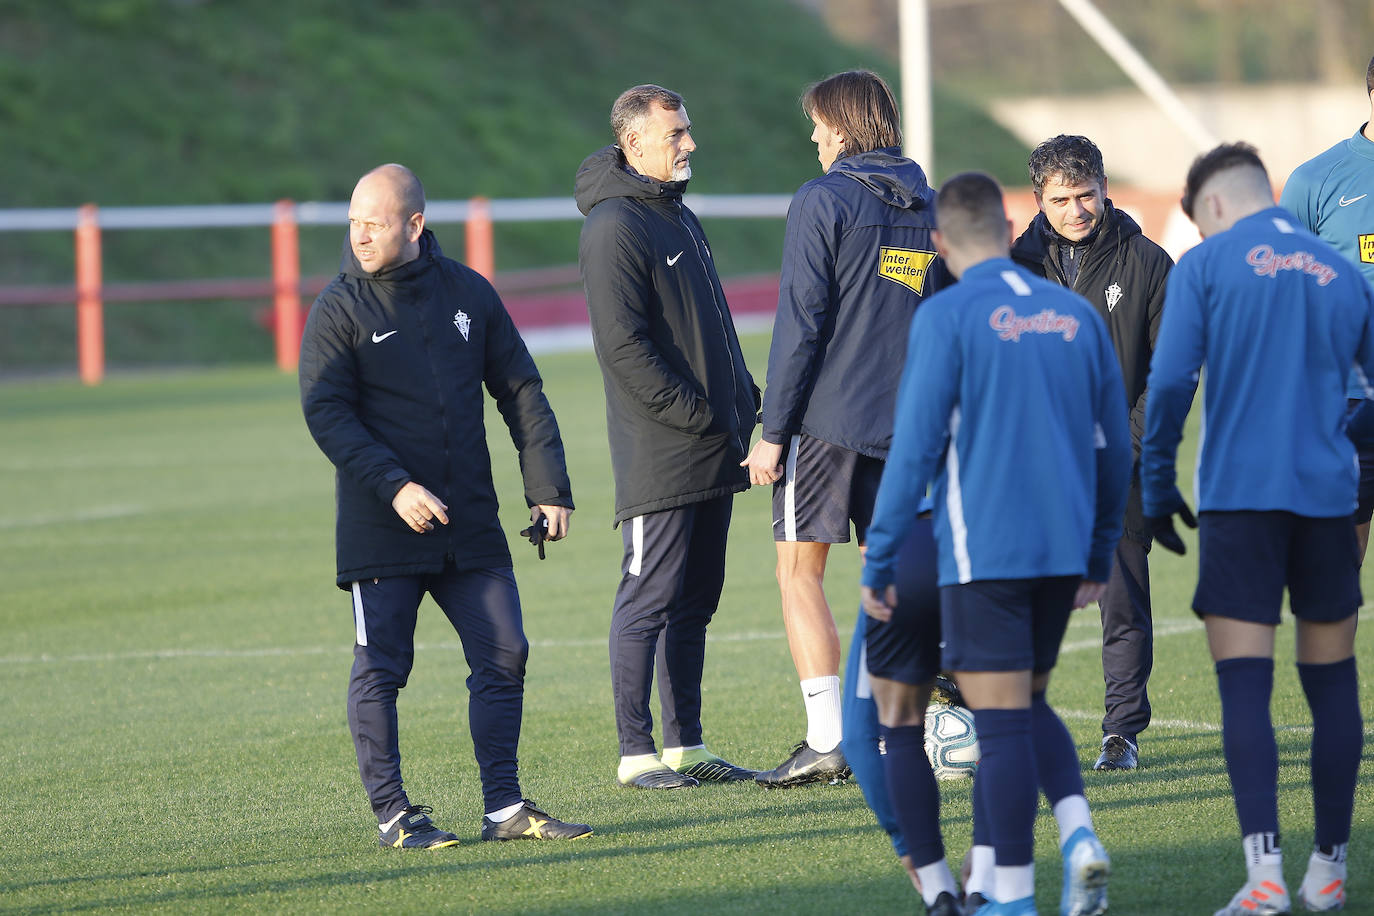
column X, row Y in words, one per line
column 725, row 332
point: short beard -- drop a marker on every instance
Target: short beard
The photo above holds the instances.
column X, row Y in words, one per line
column 682, row 172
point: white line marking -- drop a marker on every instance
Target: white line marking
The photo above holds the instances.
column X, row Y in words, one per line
column 94, row 514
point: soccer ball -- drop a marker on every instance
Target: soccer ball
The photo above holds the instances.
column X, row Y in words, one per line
column 951, row 741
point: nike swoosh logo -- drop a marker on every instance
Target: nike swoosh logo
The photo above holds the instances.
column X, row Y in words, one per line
column 1345, row 203
column 673, row 260
column 378, row 338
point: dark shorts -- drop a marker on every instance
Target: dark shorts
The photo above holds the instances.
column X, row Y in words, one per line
column 1006, row 624
column 1246, row 559
column 1360, row 430
column 824, row 488
column 907, row 647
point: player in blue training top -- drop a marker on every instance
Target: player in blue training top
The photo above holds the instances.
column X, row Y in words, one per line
column 1333, row 196
column 1277, row 317
column 857, row 261
column 1010, row 402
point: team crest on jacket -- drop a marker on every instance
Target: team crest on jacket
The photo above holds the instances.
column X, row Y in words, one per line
column 1114, row 294
column 906, row 266
column 462, row 322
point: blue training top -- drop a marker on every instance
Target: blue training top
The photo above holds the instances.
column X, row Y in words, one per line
column 1278, row 317
column 1011, row 401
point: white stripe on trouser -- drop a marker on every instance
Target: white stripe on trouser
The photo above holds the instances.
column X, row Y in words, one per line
column 636, row 544
column 789, row 497
column 358, row 622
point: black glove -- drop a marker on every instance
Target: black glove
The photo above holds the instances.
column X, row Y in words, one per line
column 1162, row 526
column 536, row 532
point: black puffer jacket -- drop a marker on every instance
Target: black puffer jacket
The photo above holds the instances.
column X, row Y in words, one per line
column 1123, row 274
column 680, row 404
column 392, row 367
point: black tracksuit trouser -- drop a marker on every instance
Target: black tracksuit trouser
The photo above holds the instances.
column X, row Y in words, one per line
column 671, row 579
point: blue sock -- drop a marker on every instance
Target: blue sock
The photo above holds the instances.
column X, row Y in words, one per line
column 860, row 741
column 1056, row 756
column 1247, row 737
column 1008, row 767
column 982, row 834
column 912, row 792
column 1333, row 695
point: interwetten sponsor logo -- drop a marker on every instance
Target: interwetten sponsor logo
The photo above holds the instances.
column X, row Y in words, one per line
column 1268, row 264
column 906, row 266
column 1010, row 326
column 1367, row 247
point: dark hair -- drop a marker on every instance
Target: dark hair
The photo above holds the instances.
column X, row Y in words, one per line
column 1076, row 160
column 634, row 104
column 1224, row 157
column 858, row 105
column 1369, row 76
column 969, row 207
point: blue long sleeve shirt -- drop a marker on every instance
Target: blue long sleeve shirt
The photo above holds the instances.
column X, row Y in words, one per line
column 1277, row 316
column 1010, row 403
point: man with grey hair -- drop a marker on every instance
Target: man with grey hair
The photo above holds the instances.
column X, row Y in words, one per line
column 1079, row 240
column 680, row 409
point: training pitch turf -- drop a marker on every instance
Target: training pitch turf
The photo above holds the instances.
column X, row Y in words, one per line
column 175, row 661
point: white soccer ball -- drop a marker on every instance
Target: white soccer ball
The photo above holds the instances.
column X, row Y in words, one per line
column 951, row 741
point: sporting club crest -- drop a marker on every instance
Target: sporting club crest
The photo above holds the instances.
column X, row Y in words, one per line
column 1114, row 294
column 462, row 322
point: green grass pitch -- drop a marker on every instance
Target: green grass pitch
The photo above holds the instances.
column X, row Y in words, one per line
column 175, row 660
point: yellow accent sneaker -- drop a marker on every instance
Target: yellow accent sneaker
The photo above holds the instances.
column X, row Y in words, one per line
column 414, row 830
column 529, row 823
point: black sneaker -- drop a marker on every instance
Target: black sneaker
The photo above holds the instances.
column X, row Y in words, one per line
column 1118, row 753
column 974, row 902
column 529, row 823
column 805, row 766
column 414, row 830
column 704, row 766
column 946, row 692
column 945, row 905
column 660, row 777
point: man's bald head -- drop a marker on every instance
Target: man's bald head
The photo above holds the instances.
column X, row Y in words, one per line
column 386, row 216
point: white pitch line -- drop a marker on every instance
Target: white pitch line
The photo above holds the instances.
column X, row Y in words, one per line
column 95, row 514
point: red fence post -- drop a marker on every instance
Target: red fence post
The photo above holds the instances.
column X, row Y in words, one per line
column 481, row 254
column 286, row 284
column 90, row 318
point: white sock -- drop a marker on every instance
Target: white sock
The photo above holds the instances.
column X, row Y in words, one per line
column 632, row 766
column 672, row 756
column 1071, row 812
column 1263, row 858
column 391, row 823
column 822, row 698
column 980, row 875
column 1014, row 882
column 506, row 813
column 936, row 878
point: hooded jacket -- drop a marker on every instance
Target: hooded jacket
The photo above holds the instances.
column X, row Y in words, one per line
column 857, row 260
column 680, row 404
column 392, row 367
column 1123, row 274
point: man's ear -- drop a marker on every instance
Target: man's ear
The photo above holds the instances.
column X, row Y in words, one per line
column 414, row 226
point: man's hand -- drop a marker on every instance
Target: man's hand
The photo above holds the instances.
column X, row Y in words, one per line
column 419, row 508
column 877, row 605
column 547, row 523
column 1088, row 592
column 1162, row 527
column 764, row 463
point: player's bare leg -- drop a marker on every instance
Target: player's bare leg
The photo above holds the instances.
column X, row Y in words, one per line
column 815, row 646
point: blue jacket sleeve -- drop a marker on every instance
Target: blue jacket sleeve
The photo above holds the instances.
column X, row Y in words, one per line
column 513, row 380
column 1115, row 458
column 926, row 398
column 329, row 399
column 1174, row 374
column 806, row 298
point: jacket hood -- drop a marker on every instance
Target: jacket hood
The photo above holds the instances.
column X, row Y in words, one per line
column 604, row 175
column 1117, row 227
column 894, row 179
column 429, row 251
